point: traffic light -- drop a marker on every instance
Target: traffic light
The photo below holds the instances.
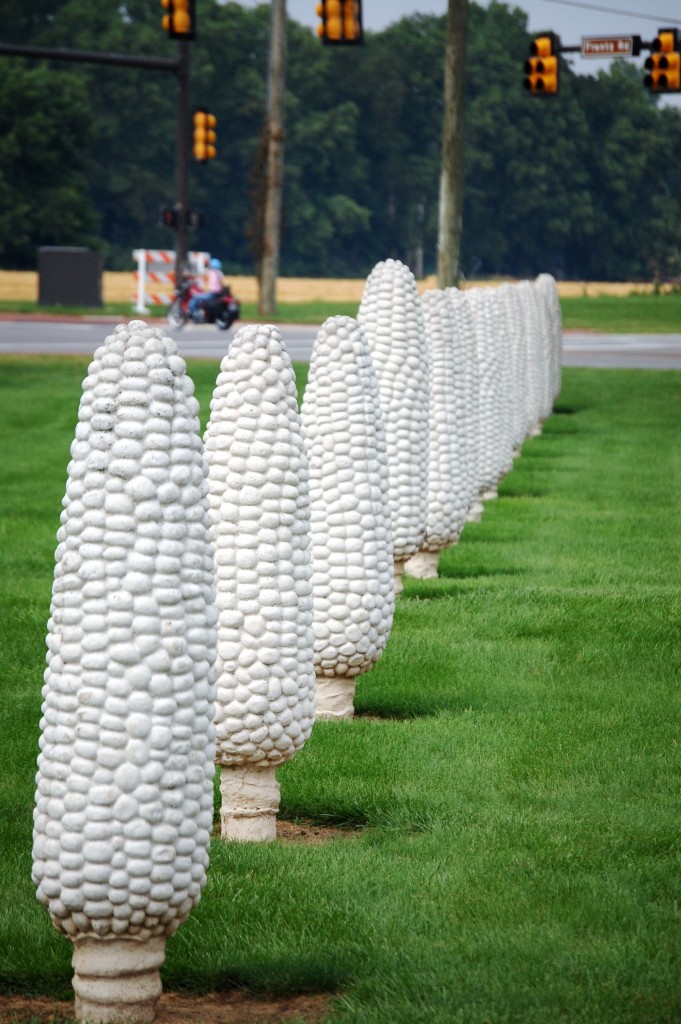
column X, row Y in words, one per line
column 168, row 218
column 205, row 135
column 179, row 19
column 664, row 64
column 541, row 67
column 341, row 23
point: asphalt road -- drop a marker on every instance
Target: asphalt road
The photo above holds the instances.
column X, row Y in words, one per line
column 623, row 351
column 635, row 351
column 199, row 342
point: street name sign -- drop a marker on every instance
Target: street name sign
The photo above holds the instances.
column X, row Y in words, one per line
column 608, row 46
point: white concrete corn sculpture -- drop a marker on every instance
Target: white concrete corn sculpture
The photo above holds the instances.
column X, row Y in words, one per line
column 352, row 555
column 502, row 351
column 548, row 289
column 465, row 340
column 545, row 344
column 392, row 318
column 124, row 799
column 511, row 302
column 449, row 470
column 258, row 475
column 532, row 331
column 479, row 302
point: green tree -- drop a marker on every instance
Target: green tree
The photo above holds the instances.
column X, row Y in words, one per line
column 633, row 166
column 45, row 138
column 584, row 184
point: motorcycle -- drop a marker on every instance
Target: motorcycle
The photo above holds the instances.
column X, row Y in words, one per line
column 221, row 309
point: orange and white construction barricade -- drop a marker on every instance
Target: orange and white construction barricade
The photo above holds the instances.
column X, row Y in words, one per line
column 155, row 275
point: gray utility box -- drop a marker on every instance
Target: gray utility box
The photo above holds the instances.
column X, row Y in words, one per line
column 69, row 276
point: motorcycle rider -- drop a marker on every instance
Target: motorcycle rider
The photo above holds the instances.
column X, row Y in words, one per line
column 213, row 285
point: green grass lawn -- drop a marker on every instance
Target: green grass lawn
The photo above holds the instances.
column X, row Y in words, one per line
column 646, row 314
column 287, row 312
column 514, row 777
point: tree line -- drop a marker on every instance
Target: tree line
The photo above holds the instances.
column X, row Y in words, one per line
column 583, row 185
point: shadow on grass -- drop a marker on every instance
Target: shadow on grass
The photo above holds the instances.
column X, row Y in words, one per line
column 567, row 410
column 418, row 590
column 380, row 713
column 510, row 492
column 273, row 977
column 351, row 821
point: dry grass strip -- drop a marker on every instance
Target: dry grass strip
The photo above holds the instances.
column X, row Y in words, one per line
column 119, row 286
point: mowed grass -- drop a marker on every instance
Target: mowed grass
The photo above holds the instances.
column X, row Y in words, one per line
column 287, row 312
column 513, row 775
column 633, row 313
column 627, row 314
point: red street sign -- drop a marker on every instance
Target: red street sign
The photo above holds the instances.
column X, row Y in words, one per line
column 607, row 46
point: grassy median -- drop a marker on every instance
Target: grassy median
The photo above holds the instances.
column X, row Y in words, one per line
column 626, row 314
column 507, row 801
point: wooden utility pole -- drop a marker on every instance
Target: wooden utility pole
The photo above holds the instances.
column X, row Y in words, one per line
column 182, row 172
column 451, row 176
column 274, row 165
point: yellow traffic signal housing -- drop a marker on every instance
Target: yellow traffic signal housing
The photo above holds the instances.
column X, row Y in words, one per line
column 205, row 135
column 179, row 19
column 664, row 64
column 341, row 22
column 541, row 67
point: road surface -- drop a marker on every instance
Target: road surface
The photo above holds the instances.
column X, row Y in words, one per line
column 623, row 351
column 636, row 351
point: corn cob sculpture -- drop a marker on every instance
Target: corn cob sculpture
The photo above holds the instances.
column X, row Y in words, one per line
column 501, row 346
column 491, row 424
column 532, row 332
column 124, row 799
column 465, row 340
column 548, row 290
column 450, row 481
column 352, row 557
column 392, row 318
column 258, row 477
column 510, row 299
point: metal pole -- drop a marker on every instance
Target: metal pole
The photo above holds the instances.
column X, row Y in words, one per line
column 182, row 171
column 180, row 67
column 269, row 266
column 89, row 57
column 451, row 176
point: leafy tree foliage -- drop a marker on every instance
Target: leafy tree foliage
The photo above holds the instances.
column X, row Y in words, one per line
column 45, row 134
column 574, row 184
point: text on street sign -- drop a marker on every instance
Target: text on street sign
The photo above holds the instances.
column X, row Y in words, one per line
column 607, row 46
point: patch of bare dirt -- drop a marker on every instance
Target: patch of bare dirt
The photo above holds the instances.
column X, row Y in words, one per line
column 306, row 832
column 174, row 1008
column 313, row 835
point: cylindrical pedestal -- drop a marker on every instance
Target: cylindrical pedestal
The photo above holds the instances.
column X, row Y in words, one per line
column 399, row 571
column 474, row 514
column 117, row 981
column 335, row 697
column 423, row 565
column 250, row 801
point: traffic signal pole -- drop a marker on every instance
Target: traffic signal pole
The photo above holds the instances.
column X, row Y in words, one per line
column 90, row 57
column 179, row 66
column 663, row 66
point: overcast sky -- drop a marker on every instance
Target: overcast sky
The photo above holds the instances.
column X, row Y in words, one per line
column 570, row 19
